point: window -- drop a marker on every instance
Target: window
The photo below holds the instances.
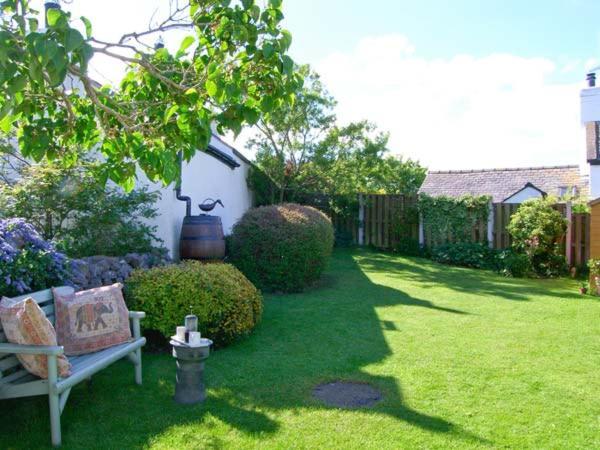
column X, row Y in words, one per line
column 562, row 191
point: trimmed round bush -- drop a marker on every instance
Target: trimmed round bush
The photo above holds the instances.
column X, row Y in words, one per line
column 228, row 306
column 282, row 247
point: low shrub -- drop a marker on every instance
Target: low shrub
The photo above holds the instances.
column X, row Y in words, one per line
column 410, row 247
column 466, row 254
column 537, row 230
column 228, row 306
column 282, row 247
column 82, row 215
column 27, row 262
column 513, row 264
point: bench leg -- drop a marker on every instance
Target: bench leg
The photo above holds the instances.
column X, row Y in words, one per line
column 138, row 366
column 54, row 401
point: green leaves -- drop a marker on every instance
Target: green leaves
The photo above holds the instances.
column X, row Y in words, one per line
column 237, row 73
column 268, row 50
column 73, row 40
column 211, row 88
column 88, row 27
column 186, row 43
column 56, row 18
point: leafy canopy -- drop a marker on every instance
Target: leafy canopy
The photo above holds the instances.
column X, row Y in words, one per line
column 70, row 207
column 303, row 149
column 231, row 70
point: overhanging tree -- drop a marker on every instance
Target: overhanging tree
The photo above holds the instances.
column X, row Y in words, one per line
column 230, row 70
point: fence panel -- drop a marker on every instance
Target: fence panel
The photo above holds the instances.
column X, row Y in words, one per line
column 580, row 239
column 388, row 219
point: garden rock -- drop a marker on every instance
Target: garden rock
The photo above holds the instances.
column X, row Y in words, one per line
column 96, row 271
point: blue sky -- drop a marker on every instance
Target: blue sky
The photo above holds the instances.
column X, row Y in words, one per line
column 562, row 30
column 458, row 84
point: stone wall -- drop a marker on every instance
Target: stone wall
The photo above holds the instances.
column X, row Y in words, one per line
column 96, row 271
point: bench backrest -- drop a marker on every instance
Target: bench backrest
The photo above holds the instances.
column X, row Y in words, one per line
column 9, row 362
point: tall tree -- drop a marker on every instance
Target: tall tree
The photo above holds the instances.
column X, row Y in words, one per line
column 289, row 135
column 303, row 149
column 230, row 70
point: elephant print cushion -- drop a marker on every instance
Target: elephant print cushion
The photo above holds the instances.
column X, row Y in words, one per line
column 24, row 322
column 92, row 320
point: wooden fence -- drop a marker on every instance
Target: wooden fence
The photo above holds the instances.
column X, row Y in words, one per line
column 388, row 218
column 384, row 220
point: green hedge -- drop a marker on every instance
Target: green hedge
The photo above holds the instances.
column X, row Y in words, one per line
column 227, row 304
column 481, row 256
column 282, row 247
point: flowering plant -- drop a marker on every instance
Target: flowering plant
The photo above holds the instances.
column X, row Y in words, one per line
column 27, row 262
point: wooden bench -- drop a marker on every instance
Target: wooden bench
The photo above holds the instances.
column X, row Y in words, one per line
column 17, row 382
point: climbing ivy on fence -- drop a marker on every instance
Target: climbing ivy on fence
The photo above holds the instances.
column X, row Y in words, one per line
column 447, row 218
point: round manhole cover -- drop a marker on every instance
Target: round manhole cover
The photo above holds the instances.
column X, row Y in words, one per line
column 347, row 394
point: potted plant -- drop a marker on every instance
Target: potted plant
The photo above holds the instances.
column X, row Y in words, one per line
column 594, row 266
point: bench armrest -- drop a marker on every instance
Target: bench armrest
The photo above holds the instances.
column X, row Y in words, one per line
column 135, row 317
column 32, row 349
column 137, row 314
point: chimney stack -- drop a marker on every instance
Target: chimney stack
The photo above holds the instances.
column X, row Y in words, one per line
column 590, row 117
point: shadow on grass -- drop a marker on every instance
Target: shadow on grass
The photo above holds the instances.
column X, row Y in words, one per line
column 429, row 274
column 329, row 333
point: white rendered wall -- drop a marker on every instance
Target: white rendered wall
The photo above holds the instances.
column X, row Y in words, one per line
column 523, row 195
column 590, row 105
column 202, row 178
column 590, row 112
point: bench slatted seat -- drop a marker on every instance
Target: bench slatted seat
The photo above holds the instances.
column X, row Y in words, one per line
column 16, row 382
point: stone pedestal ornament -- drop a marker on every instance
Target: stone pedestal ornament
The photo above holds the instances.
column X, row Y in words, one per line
column 189, row 388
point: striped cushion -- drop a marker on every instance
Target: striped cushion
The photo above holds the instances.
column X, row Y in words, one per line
column 25, row 323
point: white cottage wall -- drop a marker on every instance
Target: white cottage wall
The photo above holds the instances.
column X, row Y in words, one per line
column 203, row 177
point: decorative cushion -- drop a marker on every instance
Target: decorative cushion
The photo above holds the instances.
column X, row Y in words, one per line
column 92, row 320
column 25, row 323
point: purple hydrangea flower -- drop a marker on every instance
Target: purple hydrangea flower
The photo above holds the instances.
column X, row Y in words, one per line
column 27, row 261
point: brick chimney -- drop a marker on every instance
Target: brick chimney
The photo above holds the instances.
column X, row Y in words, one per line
column 590, row 117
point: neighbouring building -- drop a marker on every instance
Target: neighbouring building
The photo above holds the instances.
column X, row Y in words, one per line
column 590, row 117
column 508, row 185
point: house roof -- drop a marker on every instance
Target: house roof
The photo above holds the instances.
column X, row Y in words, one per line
column 501, row 184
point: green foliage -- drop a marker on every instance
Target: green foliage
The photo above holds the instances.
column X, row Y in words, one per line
column 72, row 208
column 466, row 254
column 594, row 266
column 229, row 72
column 27, row 262
column 481, row 256
column 453, row 218
column 513, row 264
column 282, row 248
column 537, row 230
column 404, row 226
column 263, row 188
column 228, row 306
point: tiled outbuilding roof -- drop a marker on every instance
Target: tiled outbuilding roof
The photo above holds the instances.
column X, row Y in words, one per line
column 503, row 183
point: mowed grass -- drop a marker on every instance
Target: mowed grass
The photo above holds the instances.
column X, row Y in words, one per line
column 465, row 359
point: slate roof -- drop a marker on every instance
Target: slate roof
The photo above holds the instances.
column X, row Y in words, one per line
column 503, row 183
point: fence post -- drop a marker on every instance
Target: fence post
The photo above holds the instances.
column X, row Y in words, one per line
column 490, row 225
column 361, row 220
column 421, row 231
column 569, row 237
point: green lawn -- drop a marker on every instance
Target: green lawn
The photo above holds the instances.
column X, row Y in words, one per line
column 465, row 359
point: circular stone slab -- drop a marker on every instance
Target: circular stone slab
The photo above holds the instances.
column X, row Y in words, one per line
column 347, row 394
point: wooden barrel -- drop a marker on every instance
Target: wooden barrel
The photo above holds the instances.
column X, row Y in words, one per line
column 202, row 238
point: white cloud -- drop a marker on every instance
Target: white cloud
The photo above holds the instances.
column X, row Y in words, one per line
column 465, row 112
